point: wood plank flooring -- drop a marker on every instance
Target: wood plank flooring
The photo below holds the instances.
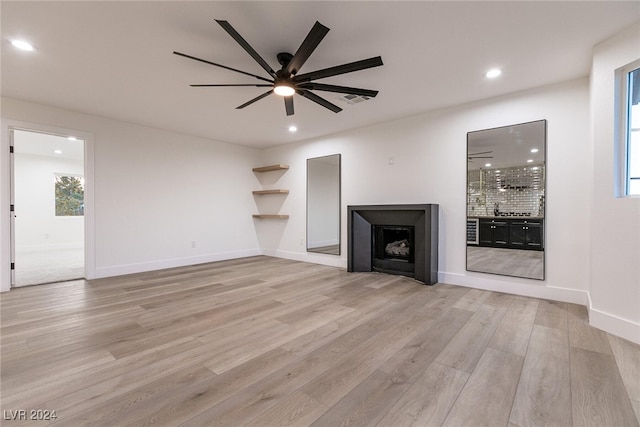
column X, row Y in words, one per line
column 271, row 342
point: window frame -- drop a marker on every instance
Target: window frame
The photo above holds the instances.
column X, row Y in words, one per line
column 624, row 132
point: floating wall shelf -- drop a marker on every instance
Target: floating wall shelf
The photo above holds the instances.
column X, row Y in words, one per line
column 280, row 191
column 271, row 168
column 274, row 191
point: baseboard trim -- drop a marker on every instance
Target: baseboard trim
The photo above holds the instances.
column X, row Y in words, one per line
column 119, row 270
column 615, row 325
column 508, row 285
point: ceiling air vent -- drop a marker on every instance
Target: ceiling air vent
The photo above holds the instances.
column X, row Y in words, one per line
column 353, row 99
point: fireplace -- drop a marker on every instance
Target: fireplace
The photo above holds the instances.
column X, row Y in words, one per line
column 394, row 239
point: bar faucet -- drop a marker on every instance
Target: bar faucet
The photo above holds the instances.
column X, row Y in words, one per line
column 496, row 209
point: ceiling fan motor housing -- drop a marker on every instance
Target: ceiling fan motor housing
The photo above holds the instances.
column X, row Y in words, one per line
column 284, row 58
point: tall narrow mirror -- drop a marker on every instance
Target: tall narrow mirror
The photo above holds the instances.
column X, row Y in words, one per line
column 323, row 204
column 506, row 200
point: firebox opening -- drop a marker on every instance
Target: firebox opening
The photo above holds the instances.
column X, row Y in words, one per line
column 393, row 249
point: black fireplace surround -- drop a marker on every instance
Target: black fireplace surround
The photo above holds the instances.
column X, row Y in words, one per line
column 395, row 239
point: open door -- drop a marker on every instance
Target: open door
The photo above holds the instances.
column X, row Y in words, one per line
column 47, row 200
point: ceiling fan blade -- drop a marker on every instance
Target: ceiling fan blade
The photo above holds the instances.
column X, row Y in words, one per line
column 310, row 43
column 257, row 98
column 340, row 69
column 288, row 105
column 339, row 89
column 232, row 85
column 221, row 66
column 319, row 100
column 242, row 42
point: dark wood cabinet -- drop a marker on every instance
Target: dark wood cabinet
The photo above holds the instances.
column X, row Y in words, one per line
column 526, row 234
column 511, row 233
column 494, row 233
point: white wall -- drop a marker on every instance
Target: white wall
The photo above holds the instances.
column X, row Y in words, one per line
column 429, row 166
column 37, row 226
column 615, row 222
column 156, row 192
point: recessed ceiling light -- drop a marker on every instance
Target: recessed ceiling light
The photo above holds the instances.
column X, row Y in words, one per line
column 534, row 150
column 292, row 128
column 486, row 165
column 22, row 45
column 57, row 151
column 72, row 138
column 493, row 73
column 530, row 161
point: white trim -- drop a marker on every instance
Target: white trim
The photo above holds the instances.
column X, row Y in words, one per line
column 621, row 114
column 12, row 215
column 142, row 267
column 613, row 324
column 5, row 201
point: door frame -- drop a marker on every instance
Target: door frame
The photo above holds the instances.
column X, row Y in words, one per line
column 6, row 196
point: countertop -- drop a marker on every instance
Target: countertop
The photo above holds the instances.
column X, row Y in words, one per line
column 505, row 217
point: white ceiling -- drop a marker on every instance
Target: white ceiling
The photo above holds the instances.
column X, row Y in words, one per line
column 43, row 144
column 114, row 59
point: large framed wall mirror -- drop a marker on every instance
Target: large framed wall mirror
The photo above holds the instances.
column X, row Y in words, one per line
column 506, row 184
column 323, row 204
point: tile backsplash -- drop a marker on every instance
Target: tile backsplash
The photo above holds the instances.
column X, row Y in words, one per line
column 514, row 191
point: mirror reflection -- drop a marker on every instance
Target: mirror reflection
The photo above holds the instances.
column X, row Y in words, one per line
column 323, row 204
column 506, row 200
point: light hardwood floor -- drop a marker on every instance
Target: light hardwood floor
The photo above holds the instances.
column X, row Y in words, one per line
column 271, row 342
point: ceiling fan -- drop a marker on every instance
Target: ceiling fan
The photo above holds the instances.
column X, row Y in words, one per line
column 286, row 81
column 473, row 156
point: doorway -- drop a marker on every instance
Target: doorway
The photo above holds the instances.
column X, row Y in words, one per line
column 48, row 200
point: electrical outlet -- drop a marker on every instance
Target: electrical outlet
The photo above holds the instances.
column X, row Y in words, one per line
column 193, row 243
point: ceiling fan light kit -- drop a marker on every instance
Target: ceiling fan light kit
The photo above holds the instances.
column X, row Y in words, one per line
column 286, row 81
column 283, row 89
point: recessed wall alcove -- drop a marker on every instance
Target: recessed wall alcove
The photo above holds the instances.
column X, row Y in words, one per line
column 412, row 249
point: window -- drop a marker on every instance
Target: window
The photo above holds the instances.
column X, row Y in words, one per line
column 630, row 79
column 69, row 195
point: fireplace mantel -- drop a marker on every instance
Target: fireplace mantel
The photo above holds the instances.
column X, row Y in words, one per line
column 424, row 219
